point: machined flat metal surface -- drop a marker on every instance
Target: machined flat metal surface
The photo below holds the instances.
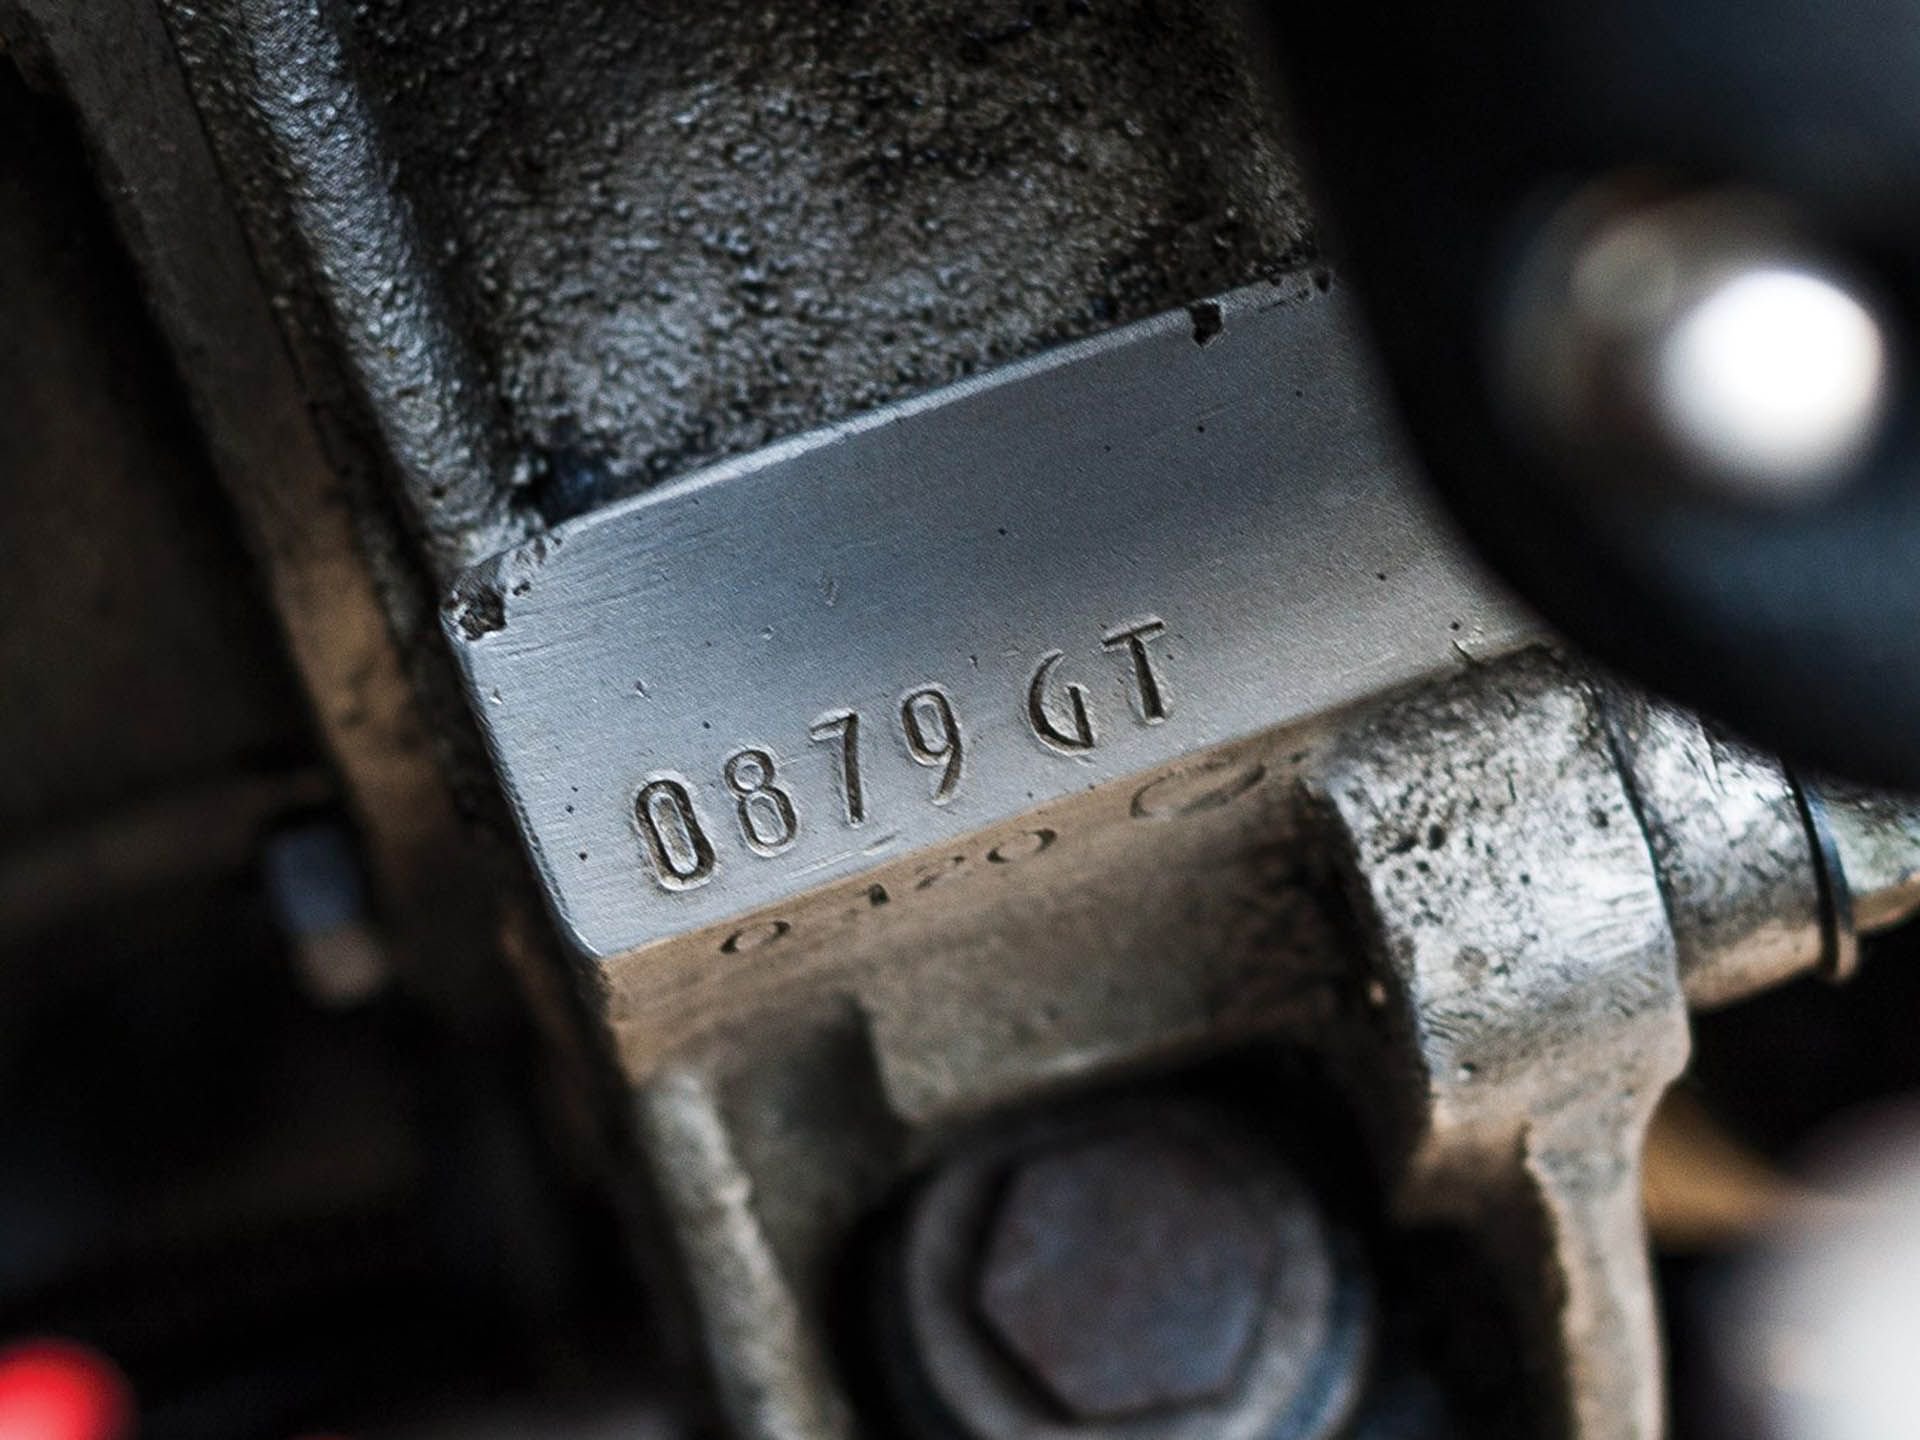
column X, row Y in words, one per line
column 870, row 642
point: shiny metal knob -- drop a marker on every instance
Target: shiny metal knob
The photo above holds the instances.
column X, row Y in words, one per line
column 1698, row 345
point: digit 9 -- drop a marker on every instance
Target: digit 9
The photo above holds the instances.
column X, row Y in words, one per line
column 932, row 733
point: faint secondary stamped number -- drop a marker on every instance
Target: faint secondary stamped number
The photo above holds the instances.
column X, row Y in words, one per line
column 680, row 850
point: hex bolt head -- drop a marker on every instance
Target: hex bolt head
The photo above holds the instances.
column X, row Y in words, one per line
column 1128, row 1273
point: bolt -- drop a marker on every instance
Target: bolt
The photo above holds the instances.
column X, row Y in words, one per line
column 1699, row 343
column 1138, row 1268
column 1129, row 1272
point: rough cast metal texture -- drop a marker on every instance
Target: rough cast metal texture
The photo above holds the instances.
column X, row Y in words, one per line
column 1514, row 906
column 681, row 230
column 357, row 285
column 567, row 250
column 1511, row 874
column 770, row 679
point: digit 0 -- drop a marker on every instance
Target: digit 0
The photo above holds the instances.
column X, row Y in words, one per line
column 670, row 830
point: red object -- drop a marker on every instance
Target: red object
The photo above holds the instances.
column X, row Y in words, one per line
column 57, row 1390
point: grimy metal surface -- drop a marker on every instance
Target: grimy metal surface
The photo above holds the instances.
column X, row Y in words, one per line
column 786, row 671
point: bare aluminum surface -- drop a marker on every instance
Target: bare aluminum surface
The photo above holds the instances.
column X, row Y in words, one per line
column 1229, row 492
column 1876, row 842
column 1741, row 880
